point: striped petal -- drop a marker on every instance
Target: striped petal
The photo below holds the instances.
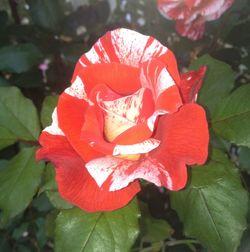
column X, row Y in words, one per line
column 129, row 48
column 74, row 182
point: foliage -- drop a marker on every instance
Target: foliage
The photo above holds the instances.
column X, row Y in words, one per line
column 40, row 41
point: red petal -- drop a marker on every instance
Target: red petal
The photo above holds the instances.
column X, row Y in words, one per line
column 70, row 119
column 192, row 30
column 74, row 182
column 191, row 83
column 184, row 140
column 129, row 48
column 122, row 79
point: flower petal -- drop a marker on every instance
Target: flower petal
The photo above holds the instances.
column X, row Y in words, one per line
column 184, row 141
column 193, row 30
column 119, row 173
column 129, row 48
column 74, row 182
column 71, row 107
column 191, row 83
column 156, row 77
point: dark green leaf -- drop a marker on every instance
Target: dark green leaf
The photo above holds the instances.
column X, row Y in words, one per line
column 231, row 119
column 97, row 232
column 48, row 106
column 152, row 229
column 6, row 138
column 19, row 182
column 244, row 159
column 217, row 84
column 19, row 58
column 214, row 205
column 50, row 187
column 155, row 229
column 47, row 14
column 18, row 114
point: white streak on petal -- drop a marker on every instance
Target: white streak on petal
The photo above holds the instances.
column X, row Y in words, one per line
column 92, row 56
column 164, row 81
column 80, row 61
column 105, row 57
column 139, row 148
column 150, row 170
column 151, row 120
column 156, row 48
column 129, row 46
column 101, row 168
column 122, row 113
column 54, row 129
column 77, row 90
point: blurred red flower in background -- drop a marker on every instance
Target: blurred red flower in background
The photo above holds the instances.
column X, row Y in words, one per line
column 191, row 15
column 127, row 115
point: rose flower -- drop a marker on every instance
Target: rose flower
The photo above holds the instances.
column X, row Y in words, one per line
column 191, row 15
column 128, row 115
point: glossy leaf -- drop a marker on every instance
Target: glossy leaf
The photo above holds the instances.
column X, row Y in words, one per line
column 47, row 14
column 48, row 106
column 19, row 182
column 214, row 205
column 19, row 58
column 18, row 114
column 217, row 84
column 114, row 231
column 6, row 138
column 232, row 117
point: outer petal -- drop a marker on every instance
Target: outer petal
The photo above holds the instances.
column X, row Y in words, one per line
column 71, row 107
column 74, row 182
column 119, row 173
column 156, row 77
column 213, row 16
column 193, row 30
column 129, row 48
column 184, row 140
column 191, row 83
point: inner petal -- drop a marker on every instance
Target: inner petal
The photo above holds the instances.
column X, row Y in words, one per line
column 125, row 112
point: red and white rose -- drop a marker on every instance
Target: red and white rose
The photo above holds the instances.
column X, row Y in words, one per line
column 191, row 15
column 127, row 115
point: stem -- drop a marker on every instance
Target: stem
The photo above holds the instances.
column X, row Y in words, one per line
column 177, row 242
column 13, row 6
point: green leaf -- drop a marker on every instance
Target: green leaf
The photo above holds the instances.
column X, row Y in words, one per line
column 50, row 188
column 48, row 106
column 244, row 159
column 232, row 117
column 155, row 229
column 218, row 82
column 19, row 182
column 114, row 231
column 152, row 229
column 6, row 138
column 19, row 58
column 214, row 205
column 18, row 114
column 47, row 14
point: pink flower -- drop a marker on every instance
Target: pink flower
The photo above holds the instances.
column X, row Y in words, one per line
column 191, row 15
column 127, row 115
